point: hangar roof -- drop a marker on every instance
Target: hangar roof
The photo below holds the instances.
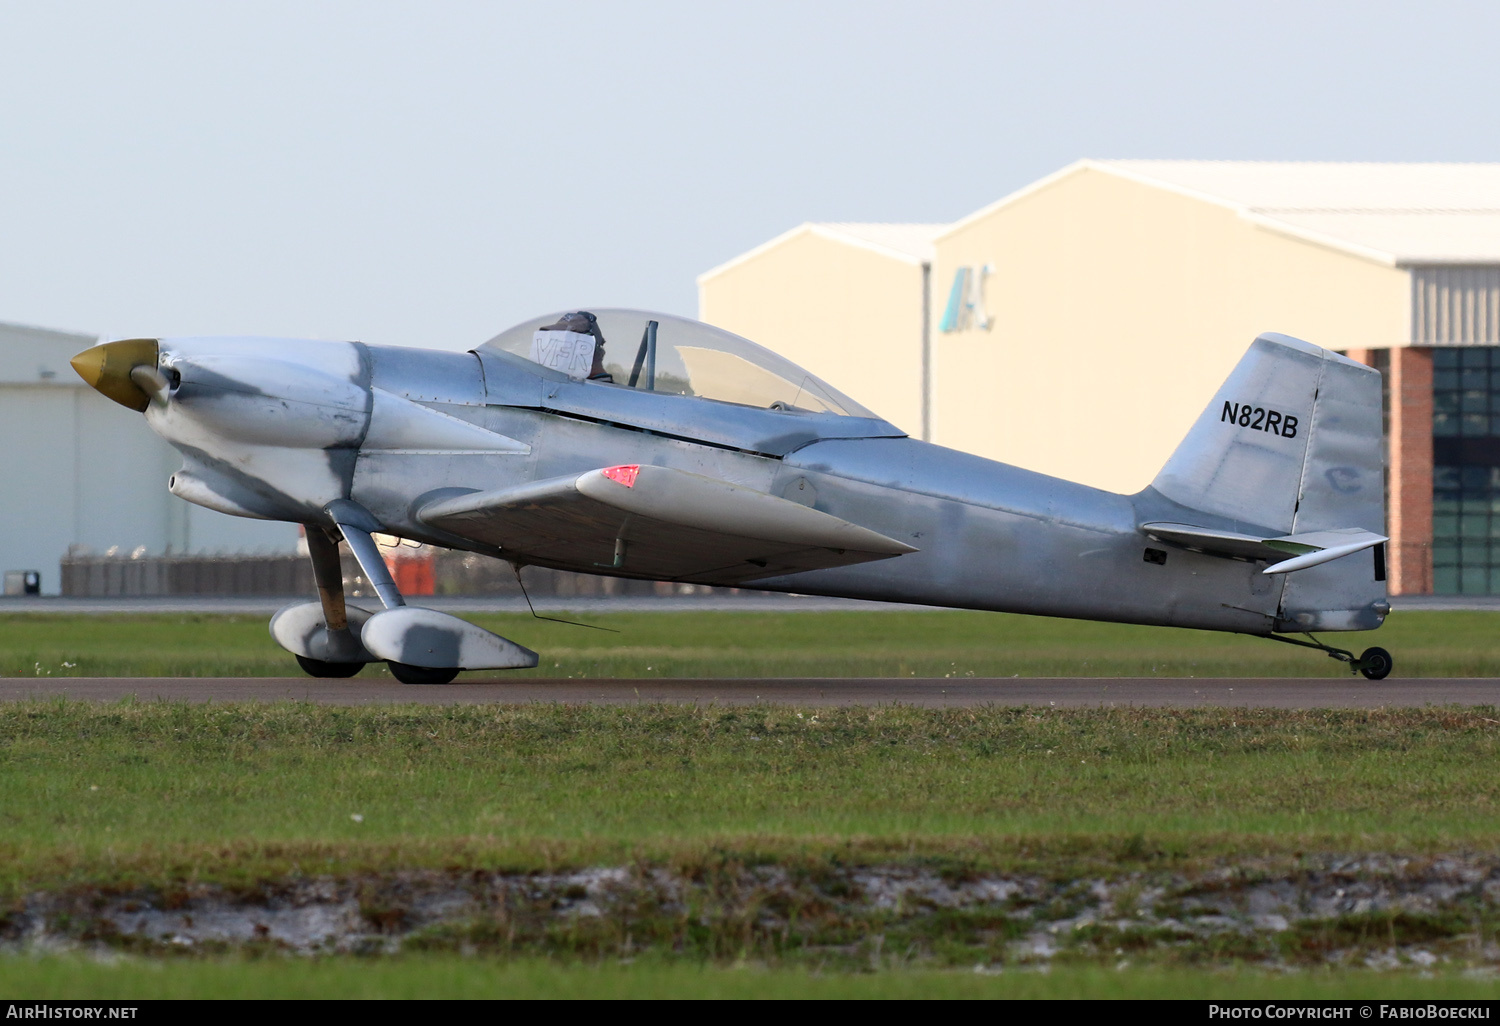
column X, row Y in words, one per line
column 909, row 243
column 913, row 241
column 1393, row 213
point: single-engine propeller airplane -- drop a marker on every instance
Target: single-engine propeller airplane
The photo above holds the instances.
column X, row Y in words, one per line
column 650, row 446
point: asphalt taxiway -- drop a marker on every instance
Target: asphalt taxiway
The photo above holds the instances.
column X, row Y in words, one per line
column 1062, row 692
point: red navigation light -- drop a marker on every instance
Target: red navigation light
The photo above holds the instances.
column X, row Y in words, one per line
column 625, row 475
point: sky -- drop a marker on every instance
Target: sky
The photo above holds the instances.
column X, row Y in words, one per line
column 430, row 173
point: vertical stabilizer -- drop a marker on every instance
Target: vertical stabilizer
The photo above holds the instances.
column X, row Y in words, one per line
column 1291, row 444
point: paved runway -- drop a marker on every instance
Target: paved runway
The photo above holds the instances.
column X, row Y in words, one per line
column 1284, row 693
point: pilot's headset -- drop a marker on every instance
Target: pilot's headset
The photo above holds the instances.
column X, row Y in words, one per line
column 580, row 321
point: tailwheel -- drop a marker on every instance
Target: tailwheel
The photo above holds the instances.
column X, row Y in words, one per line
column 319, row 668
column 406, row 673
column 1375, row 663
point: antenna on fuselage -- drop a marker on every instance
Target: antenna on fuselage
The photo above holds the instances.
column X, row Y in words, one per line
column 516, row 569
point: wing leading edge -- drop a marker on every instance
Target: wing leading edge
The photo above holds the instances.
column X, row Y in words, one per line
column 661, row 524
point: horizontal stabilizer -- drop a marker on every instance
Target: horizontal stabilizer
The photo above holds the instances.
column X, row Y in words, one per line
column 1215, row 543
column 1321, row 547
column 658, row 523
column 1288, row 552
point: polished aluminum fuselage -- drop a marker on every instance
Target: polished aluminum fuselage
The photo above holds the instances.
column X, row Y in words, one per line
column 988, row 535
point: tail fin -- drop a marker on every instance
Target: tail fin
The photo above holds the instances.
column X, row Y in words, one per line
column 1292, row 444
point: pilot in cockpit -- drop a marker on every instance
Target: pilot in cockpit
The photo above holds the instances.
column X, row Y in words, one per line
column 573, row 345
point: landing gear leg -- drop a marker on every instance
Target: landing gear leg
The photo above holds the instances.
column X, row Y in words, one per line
column 355, row 524
column 1374, row 663
column 343, row 645
column 421, row 646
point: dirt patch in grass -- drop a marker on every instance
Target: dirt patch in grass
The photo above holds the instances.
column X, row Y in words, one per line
column 850, row 837
column 1381, row 911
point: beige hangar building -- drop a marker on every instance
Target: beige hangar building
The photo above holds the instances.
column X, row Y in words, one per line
column 1078, row 326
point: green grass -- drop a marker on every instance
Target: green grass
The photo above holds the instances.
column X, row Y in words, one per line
column 730, row 644
column 426, row 977
column 160, row 795
column 160, row 791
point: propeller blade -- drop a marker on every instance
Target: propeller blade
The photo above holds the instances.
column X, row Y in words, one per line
column 151, row 381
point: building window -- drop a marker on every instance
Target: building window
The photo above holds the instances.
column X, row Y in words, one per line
column 1466, row 470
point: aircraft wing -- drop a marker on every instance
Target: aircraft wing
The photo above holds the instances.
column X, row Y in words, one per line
column 1287, row 553
column 658, row 523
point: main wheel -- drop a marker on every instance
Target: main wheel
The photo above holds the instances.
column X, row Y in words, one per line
column 318, row 668
column 409, row 674
column 1375, row 663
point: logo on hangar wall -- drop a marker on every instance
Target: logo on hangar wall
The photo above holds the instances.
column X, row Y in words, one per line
column 965, row 307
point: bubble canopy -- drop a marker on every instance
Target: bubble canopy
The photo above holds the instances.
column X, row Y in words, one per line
column 658, row 352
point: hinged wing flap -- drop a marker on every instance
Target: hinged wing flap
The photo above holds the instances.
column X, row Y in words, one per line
column 659, row 523
column 1287, row 553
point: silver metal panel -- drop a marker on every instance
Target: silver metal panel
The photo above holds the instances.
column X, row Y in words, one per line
column 1455, row 305
column 508, row 379
column 427, row 376
column 907, row 465
column 1005, row 552
column 403, row 425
